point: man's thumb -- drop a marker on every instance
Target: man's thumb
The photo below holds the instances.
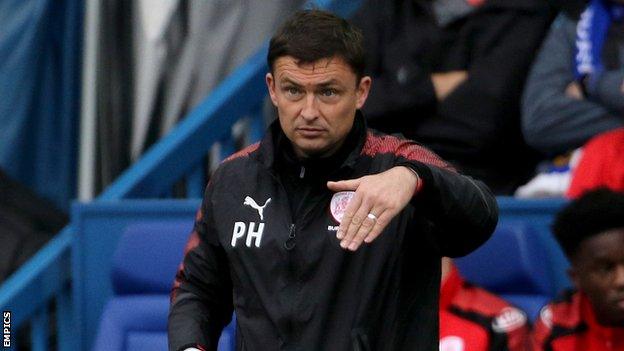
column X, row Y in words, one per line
column 344, row 185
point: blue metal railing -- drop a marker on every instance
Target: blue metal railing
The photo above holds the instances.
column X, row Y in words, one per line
column 46, row 278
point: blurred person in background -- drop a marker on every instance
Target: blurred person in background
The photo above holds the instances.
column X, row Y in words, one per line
column 575, row 92
column 590, row 230
column 450, row 74
column 576, row 87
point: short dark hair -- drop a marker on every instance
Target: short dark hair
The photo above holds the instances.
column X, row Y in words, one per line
column 312, row 35
column 595, row 212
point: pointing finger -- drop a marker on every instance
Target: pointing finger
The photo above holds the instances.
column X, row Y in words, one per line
column 356, row 221
column 354, row 204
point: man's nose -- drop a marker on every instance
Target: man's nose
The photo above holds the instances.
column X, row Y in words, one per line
column 310, row 108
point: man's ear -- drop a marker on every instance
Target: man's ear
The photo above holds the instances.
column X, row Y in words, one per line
column 270, row 82
column 363, row 89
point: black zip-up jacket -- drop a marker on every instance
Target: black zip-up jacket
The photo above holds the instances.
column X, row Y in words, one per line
column 292, row 287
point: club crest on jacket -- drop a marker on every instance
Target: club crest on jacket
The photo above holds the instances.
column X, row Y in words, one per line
column 339, row 203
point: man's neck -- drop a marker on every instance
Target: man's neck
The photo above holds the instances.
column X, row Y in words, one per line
column 303, row 157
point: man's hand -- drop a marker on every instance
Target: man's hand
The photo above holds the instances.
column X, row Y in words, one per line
column 574, row 91
column 378, row 198
column 445, row 83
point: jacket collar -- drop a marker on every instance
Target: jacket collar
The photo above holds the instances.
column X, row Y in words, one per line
column 613, row 334
column 275, row 145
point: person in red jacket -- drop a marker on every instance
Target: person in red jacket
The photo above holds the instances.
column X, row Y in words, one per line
column 591, row 232
column 473, row 319
column 601, row 164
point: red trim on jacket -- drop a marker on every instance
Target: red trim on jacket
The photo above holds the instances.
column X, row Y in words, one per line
column 192, row 243
column 570, row 324
column 243, row 152
column 380, row 144
column 474, row 319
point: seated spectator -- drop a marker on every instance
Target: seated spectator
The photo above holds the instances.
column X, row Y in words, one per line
column 575, row 89
column 476, row 320
column 590, row 231
column 450, row 74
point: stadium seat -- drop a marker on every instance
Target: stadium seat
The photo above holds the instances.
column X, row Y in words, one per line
column 531, row 304
column 512, row 264
column 127, row 318
column 147, row 257
column 144, row 264
column 139, row 322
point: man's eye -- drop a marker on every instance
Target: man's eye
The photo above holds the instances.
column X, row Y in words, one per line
column 605, row 268
column 328, row 92
column 292, row 91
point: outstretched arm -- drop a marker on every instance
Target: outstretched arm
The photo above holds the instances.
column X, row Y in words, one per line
column 462, row 210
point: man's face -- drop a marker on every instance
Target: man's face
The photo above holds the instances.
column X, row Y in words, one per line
column 598, row 270
column 316, row 102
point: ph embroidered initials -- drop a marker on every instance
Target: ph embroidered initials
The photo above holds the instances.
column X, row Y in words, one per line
column 253, row 235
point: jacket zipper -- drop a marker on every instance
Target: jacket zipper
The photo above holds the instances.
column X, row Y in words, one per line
column 290, row 243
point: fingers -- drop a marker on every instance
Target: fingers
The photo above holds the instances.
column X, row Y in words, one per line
column 384, row 195
column 359, row 217
column 344, row 185
column 369, row 225
column 380, row 224
column 363, row 222
column 347, row 218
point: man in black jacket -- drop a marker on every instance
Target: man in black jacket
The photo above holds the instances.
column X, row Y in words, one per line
column 326, row 235
column 450, row 74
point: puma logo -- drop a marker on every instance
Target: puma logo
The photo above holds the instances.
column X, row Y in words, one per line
column 252, row 203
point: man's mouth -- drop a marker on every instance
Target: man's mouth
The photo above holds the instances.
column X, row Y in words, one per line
column 310, row 132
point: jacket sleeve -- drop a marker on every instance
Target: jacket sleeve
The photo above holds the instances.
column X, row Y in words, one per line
column 201, row 298
column 609, row 91
column 552, row 122
column 462, row 210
